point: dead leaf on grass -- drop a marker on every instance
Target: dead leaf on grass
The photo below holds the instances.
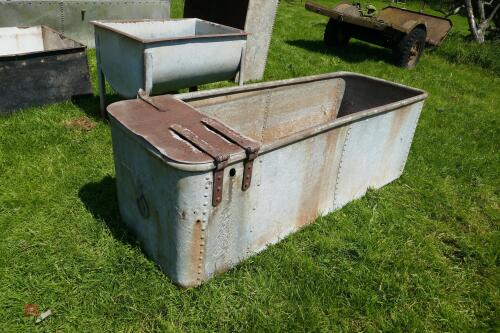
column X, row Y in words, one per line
column 31, row 310
column 81, row 123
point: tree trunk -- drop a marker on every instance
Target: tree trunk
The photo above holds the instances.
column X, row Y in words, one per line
column 480, row 8
column 479, row 27
column 472, row 22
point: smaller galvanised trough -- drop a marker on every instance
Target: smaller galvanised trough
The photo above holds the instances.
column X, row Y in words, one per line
column 163, row 56
column 207, row 179
column 39, row 65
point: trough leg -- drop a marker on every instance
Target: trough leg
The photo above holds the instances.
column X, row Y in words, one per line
column 241, row 78
column 101, row 80
column 102, row 92
column 148, row 70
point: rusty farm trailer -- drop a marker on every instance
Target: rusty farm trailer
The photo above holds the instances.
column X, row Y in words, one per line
column 404, row 31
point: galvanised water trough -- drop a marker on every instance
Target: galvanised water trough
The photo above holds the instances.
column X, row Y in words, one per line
column 39, row 65
column 209, row 178
column 163, row 56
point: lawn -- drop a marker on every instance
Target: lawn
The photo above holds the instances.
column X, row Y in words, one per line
column 421, row 254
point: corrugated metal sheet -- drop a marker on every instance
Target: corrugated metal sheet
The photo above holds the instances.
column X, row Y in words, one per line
column 72, row 17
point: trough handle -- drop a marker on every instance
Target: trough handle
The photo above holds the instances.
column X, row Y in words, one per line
column 141, row 94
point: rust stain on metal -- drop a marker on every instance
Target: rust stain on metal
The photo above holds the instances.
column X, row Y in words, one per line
column 400, row 119
column 207, row 139
column 316, row 181
column 144, row 119
column 310, row 195
column 251, row 147
column 218, row 184
column 297, row 176
column 278, row 123
column 247, row 175
column 405, row 20
column 149, row 117
column 390, row 21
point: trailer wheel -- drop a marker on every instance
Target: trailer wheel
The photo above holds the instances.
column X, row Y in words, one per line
column 410, row 48
column 336, row 35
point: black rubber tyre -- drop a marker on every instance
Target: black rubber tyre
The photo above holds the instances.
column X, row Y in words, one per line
column 410, row 48
column 335, row 34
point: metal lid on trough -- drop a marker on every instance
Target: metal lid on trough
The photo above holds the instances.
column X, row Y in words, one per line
column 181, row 133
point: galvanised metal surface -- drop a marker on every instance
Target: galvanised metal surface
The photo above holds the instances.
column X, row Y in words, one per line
column 72, row 17
column 254, row 16
column 39, row 65
column 405, row 20
column 324, row 139
column 163, row 56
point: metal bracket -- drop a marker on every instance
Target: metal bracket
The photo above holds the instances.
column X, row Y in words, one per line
column 217, row 187
column 247, row 173
column 251, row 147
column 219, row 160
column 143, row 95
column 199, row 136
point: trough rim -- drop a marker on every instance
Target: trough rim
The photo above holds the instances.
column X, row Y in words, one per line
column 102, row 24
column 287, row 140
column 65, row 50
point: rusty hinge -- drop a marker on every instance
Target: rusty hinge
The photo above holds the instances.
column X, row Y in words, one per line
column 219, row 160
column 195, row 128
column 251, row 147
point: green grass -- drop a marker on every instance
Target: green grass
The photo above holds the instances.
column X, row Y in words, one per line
column 421, row 254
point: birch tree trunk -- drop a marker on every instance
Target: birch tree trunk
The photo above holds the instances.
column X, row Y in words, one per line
column 479, row 26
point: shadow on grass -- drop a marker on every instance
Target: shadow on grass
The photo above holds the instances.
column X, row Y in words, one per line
column 101, row 200
column 90, row 104
column 459, row 49
column 355, row 52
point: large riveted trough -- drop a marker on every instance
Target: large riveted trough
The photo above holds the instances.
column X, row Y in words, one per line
column 207, row 179
column 163, row 56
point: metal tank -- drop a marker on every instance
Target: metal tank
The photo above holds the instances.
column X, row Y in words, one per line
column 207, row 179
column 163, row 56
column 72, row 17
column 39, row 65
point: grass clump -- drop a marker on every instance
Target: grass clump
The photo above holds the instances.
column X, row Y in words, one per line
column 459, row 49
